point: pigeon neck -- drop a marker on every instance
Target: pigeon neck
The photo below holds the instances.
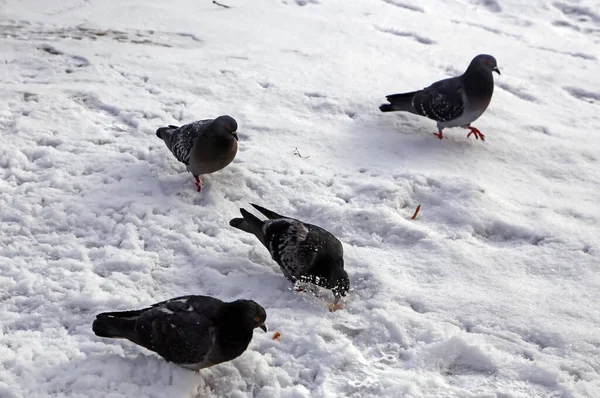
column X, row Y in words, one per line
column 234, row 332
column 478, row 83
column 323, row 273
column 235, row 316
column 223, row 139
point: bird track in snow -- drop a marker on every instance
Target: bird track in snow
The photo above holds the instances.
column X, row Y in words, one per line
column 584, row 95
column 518, row 92
column 23, row 30
column 411, row 35
column 578, row 18
column 406, row 6
column 490, row 5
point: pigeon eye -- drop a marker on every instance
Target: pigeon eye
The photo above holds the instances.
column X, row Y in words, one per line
column 256, row 319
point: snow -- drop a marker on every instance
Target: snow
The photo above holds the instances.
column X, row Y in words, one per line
column 492, row 291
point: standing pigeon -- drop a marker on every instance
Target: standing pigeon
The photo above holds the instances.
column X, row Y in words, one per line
column 454, row 102
column 204, row 146
column 304, row 252
column 192, row 331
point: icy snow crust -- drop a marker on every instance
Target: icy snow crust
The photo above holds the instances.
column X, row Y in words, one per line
column 493, row 291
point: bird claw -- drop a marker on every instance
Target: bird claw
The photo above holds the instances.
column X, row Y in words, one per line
column 476, row 132
column 198, row 184
column 336, row 305
column 302, row 286
column 439, row 135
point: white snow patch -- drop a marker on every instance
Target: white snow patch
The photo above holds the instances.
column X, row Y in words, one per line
column 492, row 291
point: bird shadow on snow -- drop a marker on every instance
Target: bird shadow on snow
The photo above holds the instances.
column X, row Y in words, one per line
column 400, row 135
column 150, row 374
column 146, row 375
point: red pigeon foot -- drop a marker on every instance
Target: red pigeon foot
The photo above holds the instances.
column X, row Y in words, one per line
column 477, row 133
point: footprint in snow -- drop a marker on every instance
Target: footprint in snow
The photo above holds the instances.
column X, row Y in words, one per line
column 579, row 18
column 584, row 95
column 406, row 6
column 418, row 38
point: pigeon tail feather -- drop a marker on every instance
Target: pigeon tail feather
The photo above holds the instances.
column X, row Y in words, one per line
column 399, row 102
column 160, row 133
column 110, row 326
column 387, row 108
column 267, row 213
column 250, row 223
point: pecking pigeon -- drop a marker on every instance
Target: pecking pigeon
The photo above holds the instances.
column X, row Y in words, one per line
column 454, row 102
column 204, row 146
column 192, row 331
column 304, row 252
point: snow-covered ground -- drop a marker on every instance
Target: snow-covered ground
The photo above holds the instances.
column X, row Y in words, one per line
column 493, row 291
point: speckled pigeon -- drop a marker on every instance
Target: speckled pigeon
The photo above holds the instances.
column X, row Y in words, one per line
column 192, row 331
column 304, row 251
column 204, row 146
column 454, row 102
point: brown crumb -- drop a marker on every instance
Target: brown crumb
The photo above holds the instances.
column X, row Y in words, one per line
column 276, row 336
column 335, row 306
column 416, row 212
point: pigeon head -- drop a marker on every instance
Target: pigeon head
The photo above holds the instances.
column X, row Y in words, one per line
column 485, row 62
column 338, row 281
column 225, row 124
column 254, row 316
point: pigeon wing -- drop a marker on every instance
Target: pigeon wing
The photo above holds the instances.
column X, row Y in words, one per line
column 180, row 330
column 283, row 233
column 442, row 101
column 183, row 139
column 286, row 239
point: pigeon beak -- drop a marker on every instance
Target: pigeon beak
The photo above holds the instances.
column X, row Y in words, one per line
column 238, row 138
column 263, row 327
column 495, row 69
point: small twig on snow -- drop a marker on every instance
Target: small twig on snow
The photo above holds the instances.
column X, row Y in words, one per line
column 297, row 153
column 416, row 212
column 220, row 4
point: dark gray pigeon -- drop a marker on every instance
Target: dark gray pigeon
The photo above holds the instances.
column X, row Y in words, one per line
column 304, row 251
column 192, row 331
column 204, row 146
column 454, row 102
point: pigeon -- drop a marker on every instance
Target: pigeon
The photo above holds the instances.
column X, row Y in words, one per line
column 304, row 251
column 453, row 102
column 192, row 331
column 204, row 146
